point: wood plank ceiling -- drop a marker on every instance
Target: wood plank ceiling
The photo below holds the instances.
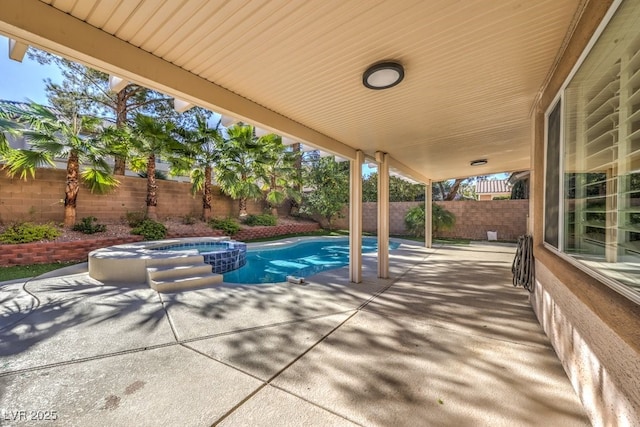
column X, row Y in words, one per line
column 473, row 69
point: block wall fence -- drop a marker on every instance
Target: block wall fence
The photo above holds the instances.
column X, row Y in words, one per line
column 41, row 199
column 473, row 218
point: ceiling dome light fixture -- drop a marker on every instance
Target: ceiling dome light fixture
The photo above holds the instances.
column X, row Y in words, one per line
column 383, row 75
column 479, row 162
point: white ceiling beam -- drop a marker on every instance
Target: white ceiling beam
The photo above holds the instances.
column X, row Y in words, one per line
column 116, row 84
column 181, row 106
column 17, row 50
column 51, row 29
column 228, row 120
column 261, row 132
column 407, row 171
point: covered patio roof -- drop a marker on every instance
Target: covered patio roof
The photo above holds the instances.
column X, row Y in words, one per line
column 473, row 70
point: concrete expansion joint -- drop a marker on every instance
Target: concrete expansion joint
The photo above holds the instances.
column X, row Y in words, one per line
column 269, row 382
column 277, row 374
column 87, row 359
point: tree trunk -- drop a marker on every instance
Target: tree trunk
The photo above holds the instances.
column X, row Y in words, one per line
column 121, row 119
column 274, row 186
column 454, row 190
column 243, row 206
column 152, row 188
column 294, row 208
column 71, row 189
column 206, row 194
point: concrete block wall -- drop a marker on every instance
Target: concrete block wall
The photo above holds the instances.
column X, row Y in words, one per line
column 473, row 218
column 42, row 199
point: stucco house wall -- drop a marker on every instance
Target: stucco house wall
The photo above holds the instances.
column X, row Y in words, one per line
column 594, row 330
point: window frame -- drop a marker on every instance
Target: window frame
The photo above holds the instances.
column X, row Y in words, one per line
column 624, row 290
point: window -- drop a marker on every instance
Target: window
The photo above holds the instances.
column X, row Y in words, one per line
column 552, row 178
column 598, row 209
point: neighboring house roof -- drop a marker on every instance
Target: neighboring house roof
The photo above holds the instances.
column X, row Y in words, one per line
column 484, row 186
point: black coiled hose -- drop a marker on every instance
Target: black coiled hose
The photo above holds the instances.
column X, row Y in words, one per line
column 523, row 264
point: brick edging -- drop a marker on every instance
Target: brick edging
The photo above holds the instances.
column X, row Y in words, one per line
column 278, row 230
column 48, row 252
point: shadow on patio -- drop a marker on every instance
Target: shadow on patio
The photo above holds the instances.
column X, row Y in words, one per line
column 446, row 341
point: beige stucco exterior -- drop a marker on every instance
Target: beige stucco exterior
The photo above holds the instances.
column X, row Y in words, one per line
column 595, row 331
column 450, row 57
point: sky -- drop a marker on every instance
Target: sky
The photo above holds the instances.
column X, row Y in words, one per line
column 24, row 80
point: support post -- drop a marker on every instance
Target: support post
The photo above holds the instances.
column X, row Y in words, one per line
column 383, row 214
column 116, row 84
column 428, row 214
column 355, row 218
column 17, row 50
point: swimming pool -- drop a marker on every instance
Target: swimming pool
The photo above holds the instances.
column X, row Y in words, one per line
column 301, row 259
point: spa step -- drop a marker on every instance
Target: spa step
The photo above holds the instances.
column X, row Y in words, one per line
column 179, row 284
column 177, row 271
column 179, row 277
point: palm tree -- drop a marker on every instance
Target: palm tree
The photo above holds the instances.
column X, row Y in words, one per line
column 201, row 152
column 237, row 170
column 280, row 172
column 51, row 136
column 151, row 137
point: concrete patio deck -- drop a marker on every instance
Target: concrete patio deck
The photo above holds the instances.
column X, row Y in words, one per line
column 446, row 341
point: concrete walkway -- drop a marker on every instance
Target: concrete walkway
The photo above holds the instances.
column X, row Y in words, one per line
column 446, row 342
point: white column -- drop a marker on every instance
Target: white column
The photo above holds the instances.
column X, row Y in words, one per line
column 383, row 214
column 428, row 213
column 17, row 50
column 355, row 218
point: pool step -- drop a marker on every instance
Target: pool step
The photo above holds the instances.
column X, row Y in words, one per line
column 180, row 277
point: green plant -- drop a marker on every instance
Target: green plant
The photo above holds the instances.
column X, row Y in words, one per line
column 150, row 230
column 414, row 221
column 28, row 232
column 228, row 225
column 263, row 219
column 441, row 218
column 189, row 219
column 134, row 219
column 89, row 225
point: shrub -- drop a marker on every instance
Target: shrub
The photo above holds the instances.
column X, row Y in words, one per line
column 442, row 219
column 134, row 219
column 150, row 230
column 87, row 226
column 228, row 225
column 189, row 219
column 28, row 232
column 414, row 221
column 264, row 219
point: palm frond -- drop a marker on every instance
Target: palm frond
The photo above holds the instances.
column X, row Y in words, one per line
column 197, row 180
column 25, row 162
column 99, row 181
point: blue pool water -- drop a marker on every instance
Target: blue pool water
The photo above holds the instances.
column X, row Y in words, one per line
column 301, row 260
